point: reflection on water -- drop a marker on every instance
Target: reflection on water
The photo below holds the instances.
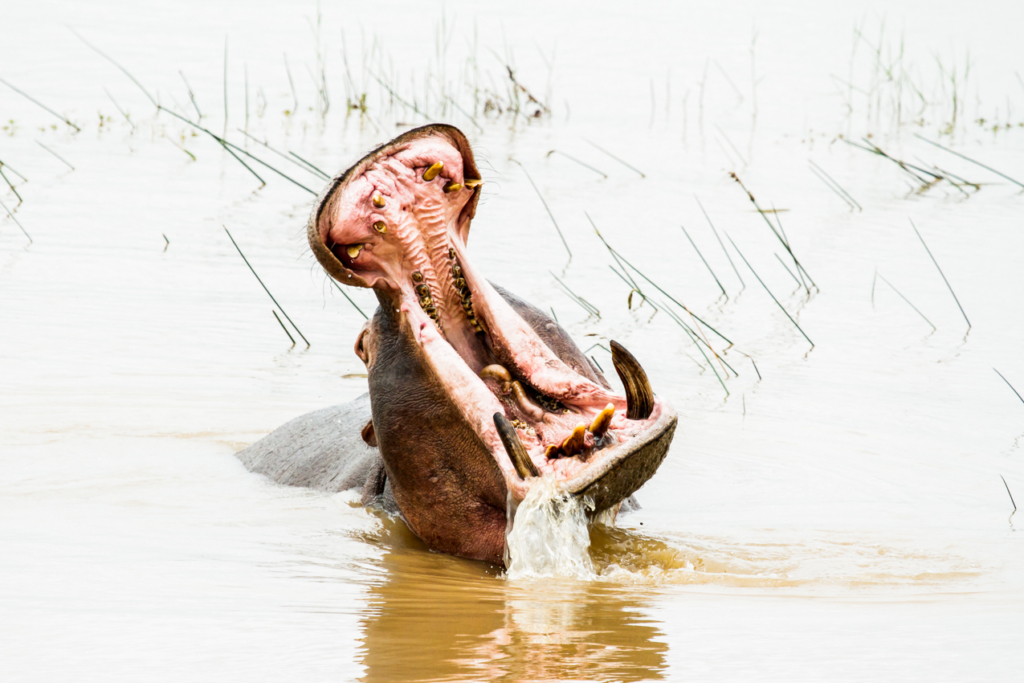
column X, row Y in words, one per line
column 434, row 617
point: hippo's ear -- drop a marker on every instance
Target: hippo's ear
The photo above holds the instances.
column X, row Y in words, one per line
column 368, row 436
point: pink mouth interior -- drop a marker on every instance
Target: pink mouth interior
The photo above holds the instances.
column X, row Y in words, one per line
column 466, row 325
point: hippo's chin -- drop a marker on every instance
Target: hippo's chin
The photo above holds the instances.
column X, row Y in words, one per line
column 517, row 389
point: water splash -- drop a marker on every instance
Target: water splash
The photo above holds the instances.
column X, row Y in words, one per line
column 548, row 535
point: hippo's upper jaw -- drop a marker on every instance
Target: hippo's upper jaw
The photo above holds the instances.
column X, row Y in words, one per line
column 398, row 222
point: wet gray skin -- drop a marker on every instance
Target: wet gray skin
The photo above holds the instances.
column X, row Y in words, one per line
column 440, row 437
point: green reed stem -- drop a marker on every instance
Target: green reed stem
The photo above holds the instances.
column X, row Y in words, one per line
column 795, row 324
column 280, row 308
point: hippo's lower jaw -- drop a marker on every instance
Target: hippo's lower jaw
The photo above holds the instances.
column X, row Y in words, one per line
column 615, row 472
column 520, row 390
column 593, row 451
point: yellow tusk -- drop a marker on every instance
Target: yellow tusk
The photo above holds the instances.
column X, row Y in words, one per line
column 573, row 443
column 453, row 187
column 532, row 410
column 495, row 372
column 603, row 420
column 473, row 183
column 353, row 251
column 432, row 172
column 378, row 201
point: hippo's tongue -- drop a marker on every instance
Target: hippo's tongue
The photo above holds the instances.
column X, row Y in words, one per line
column 398, row 222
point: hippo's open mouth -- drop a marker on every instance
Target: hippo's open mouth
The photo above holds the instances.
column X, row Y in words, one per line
column 398, row 221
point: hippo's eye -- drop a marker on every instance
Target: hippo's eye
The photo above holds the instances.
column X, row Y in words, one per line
column 360, row 348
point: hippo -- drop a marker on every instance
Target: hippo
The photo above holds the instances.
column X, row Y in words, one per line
column 474, row 395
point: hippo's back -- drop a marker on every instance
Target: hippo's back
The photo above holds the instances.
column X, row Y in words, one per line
column 322, row 450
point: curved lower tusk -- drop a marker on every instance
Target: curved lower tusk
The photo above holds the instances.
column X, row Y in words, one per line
column 515, row 448
column 639, row 396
